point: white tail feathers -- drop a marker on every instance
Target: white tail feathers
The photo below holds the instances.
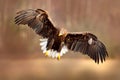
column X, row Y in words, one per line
column 52, row 53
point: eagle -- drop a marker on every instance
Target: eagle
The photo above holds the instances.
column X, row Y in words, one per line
column 56, row 41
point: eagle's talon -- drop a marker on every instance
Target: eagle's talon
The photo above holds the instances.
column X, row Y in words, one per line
column 58, row 57
column 46, row 53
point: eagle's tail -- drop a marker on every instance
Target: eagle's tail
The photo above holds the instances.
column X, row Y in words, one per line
column 51, row 52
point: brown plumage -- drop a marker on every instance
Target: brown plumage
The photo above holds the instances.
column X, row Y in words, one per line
column 56, row 41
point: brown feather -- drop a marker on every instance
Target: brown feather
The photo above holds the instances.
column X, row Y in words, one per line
column 79, row 43
column 38, row 21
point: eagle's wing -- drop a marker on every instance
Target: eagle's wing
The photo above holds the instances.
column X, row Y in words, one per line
column 86, row 43
column 37, row 20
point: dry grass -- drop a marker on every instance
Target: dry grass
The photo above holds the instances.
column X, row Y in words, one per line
column 71, row 69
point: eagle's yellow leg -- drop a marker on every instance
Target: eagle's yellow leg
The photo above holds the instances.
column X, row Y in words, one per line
column 58, row 57
column 46, row 53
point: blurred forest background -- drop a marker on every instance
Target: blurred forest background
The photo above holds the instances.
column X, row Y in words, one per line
column 20, row 54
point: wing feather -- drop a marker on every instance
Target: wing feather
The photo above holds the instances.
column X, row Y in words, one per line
column 80, row 43
column 37, row 20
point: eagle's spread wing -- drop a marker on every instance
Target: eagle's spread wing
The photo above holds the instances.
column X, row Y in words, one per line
column 86, row 43
column 56, row 42
column 37, row 20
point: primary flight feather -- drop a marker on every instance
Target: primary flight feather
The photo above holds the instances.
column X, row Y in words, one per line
column 56, row 41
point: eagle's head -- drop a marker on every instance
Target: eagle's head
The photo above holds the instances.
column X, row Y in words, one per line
column 62, row 32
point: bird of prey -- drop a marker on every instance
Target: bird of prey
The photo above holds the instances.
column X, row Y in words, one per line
column 56, row 42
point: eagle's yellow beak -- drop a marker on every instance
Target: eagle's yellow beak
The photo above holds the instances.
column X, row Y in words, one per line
column 60, row 34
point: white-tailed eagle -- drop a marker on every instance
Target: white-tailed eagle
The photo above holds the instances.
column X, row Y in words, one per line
column 56, row 41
